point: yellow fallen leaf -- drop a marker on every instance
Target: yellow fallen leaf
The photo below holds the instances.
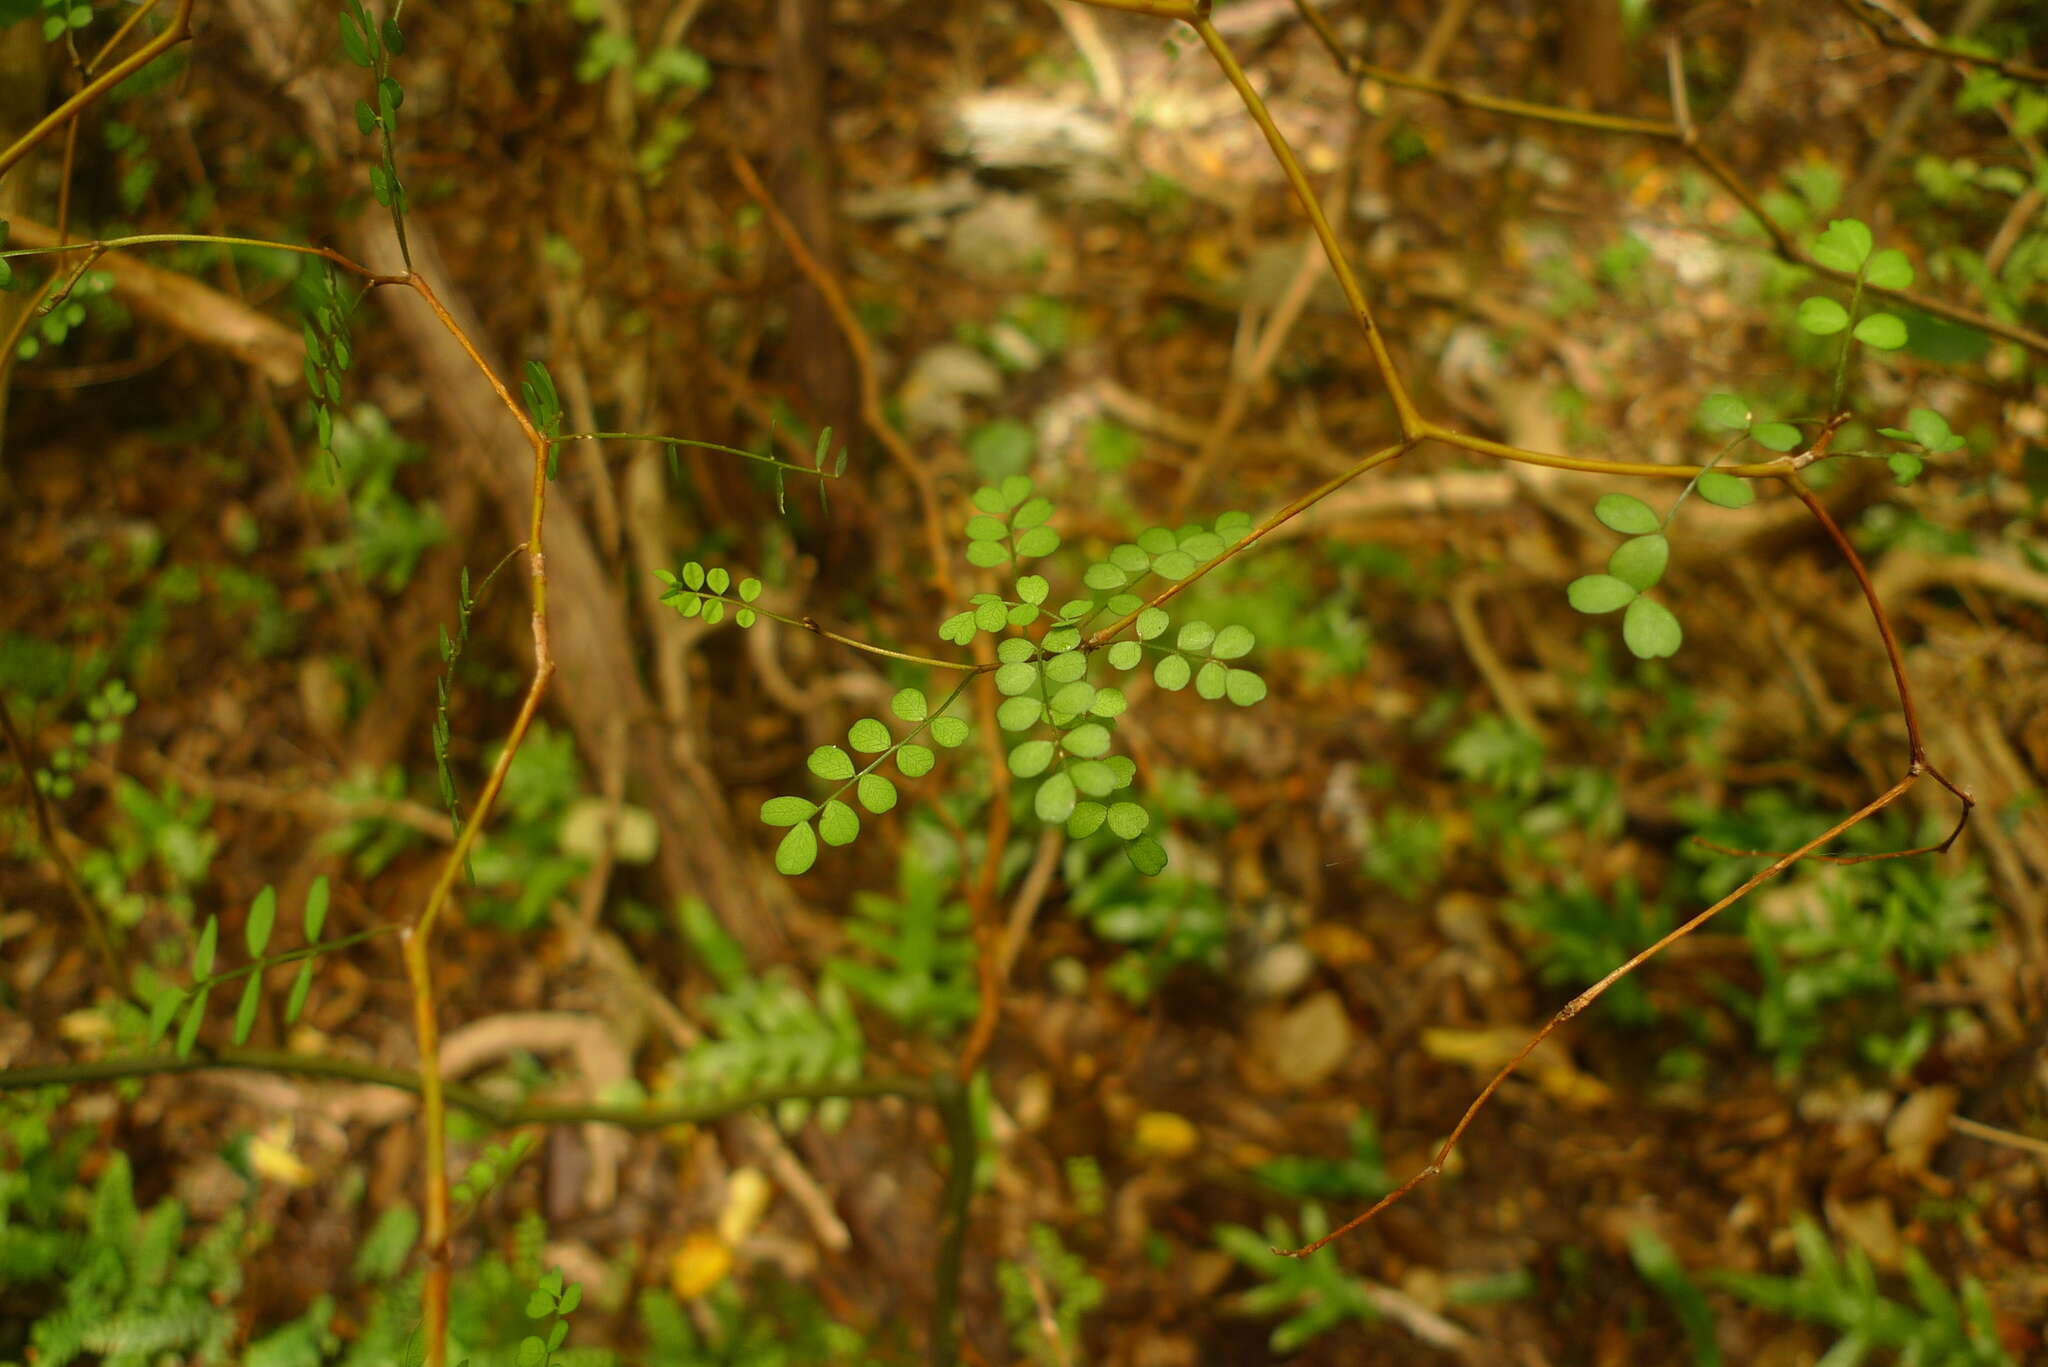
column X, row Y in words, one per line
column 270, row 1154
column 1162, row 1134
column 747, row 1195
column 1484, row 1051
column 703, row 1261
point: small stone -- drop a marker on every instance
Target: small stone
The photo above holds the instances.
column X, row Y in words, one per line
column 1004, row 236
column 1278, row 971
column 940, row 382
column 1304, row 1044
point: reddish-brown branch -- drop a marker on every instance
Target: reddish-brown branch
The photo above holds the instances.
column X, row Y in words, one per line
column 1593, row 994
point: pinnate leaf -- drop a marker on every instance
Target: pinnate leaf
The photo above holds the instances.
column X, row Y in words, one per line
column 262, row 916
column 838, row 824
column 1639, row 561
column 831, row 762
column 1725, row 490
column 787, row 811
column 1627, row 514
column 797, row 852
column 1885, row 331
column 1650, row 629
column 1597, row 593
column 868, row 736
column 877, row 794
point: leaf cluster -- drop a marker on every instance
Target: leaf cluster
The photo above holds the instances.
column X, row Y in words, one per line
column 832, row 819
column 1315, row 1293
column 763, row 1030
column 169, row 1001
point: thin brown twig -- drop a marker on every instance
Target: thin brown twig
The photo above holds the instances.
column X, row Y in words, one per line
column 1594, row 993
column 1947, row 52
column 175, row 32
column 1688, row 140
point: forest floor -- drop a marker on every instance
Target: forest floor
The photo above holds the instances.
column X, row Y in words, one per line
column 1459, row 803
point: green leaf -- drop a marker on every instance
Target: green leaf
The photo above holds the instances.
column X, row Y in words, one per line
column 877, row 794
column 1845, row 246
column 985, row 528
column 1150, row 623
column 1639, row 561
column 1031, row 759
column 1724, row 412
column 1147, row 856
column 949, row 731
column 245, row 1010
column 831, row 762
column 797, row 852
column 315, row 914
column 1020, row 713
column 1105, row 577
column 1822, row 317
column 1650, row 629
column 354, row 42
column 262, row 916
column 1889, row 270
column 868, row 736
column 1093, row 777
column 1172, row 673
column 1032, row 589
column 990, row 616
column 718, row 581
column 1244, row 687
column 959, row 628
column 1064, row 668
column 1015, row 489
column 1109, row 702
column 1127, row 820
column 1175, row 565
column 1233, row 643
column 838, row 824
column 1038, row 541
column 1905, row 466
column 1778, row 436
column 164, row 1010
column 1596, row 593
column 750, row 589
column 987, row 554
column 915, row 761
column 1035, row 512
column 1194, row 636
column 1725, row 490
column 202, row 953
column 1931, row 430
column 1210, row 680
column 1627, row 514
column 1090, row 740
column 1885, row 331
column 1086, row 820
column 787, row 811
column 1012, row 679
column 1054, row 802
column 301, row 985
column 1126, row 655
column 693, row 575
column 1074, row 698
column 195, row 1015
